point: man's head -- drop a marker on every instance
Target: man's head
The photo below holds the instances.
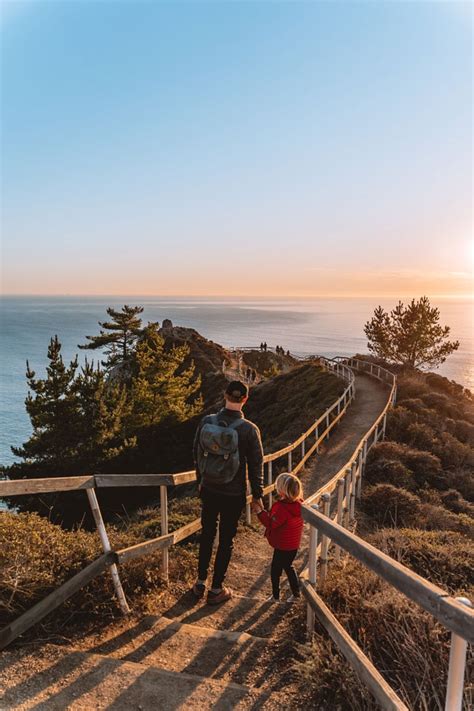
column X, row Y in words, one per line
column 236, row 395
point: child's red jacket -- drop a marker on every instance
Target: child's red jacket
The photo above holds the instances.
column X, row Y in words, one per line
column 284, row 525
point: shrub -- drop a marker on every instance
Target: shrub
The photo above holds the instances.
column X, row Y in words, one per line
column 441, row 403
column 444, row 557
column 389, row 471
column 405, row 643
column 36, row 557
column 464, row 432
column 453, row 501
column 389, row 506
column 424, row 467
column 398, row 420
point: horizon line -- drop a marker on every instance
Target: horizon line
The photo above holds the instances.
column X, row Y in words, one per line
column 304, row 297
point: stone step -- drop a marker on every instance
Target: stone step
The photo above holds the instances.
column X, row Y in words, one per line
column 194, row 649
column 82, row 681
column 252, row 615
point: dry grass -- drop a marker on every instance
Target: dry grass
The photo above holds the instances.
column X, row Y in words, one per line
column 36, row 557
column 405, row 643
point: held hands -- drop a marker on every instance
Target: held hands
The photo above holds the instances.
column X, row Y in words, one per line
column 257, row 506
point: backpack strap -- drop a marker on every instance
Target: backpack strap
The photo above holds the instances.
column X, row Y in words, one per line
column 234, row 425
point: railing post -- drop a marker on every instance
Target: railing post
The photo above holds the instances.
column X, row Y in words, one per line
column 312, row 573
column 353, row 489
column 457, row 666
column 359, row 478
column 290, row 461
column 270, row 481
column 327, row 425
column 326, row 498
column 248, row 510
column 106, row 547
column 384, row 425
column 303, row 449
column 164, row 529
column 317, row 437
column 340, row 513
column 365, row 453
column 347, row 495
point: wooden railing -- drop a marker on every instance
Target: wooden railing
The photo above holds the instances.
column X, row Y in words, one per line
column 305, row 445
column 328, row 517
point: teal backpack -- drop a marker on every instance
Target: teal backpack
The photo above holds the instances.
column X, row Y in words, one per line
column 218, row 451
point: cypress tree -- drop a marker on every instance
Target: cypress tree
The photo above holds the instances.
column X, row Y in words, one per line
column 103, row 407
column 117, row 336
column 52, row 406
column 163, row 387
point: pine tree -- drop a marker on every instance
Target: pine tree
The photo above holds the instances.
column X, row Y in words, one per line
column 118, row 336
column 410, row 335
column 52, row 407
column 162, row 387
column 103, row 408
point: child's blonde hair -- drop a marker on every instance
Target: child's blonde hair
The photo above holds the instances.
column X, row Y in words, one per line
column 289, row 486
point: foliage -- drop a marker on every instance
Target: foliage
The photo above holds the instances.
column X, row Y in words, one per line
column 36, row 557
column 404, row 642
column 410, row 335
column 117, row 336
column 76, row 417
column 53, row 411
column 161, row 388
column 387, row 505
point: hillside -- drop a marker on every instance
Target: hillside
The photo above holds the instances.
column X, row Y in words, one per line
column 418, row 506
column 283, row 407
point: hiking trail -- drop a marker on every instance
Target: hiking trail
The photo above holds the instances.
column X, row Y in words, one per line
column 193, row 655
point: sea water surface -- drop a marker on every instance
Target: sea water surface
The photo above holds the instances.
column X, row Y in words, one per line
column 327, row 327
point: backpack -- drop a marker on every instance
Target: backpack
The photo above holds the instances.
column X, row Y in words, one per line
column 218, row 451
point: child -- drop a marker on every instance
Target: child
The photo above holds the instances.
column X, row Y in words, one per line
column 284, row 527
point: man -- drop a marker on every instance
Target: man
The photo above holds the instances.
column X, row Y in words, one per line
column 225, row 446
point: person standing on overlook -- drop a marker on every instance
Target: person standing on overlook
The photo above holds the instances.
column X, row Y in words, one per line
column 225, row 446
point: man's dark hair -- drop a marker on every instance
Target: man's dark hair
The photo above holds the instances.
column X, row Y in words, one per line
column 236, row 391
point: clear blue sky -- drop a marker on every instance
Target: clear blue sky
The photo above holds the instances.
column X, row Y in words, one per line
column 303, row 148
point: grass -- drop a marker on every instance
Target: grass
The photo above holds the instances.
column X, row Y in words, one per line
column 37, row 556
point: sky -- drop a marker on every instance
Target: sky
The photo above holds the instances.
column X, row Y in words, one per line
column 236, row 148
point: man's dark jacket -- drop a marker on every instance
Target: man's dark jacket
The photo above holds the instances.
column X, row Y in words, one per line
column 250, row 455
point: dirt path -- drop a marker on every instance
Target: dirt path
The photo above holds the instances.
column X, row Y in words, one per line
column 193, row 656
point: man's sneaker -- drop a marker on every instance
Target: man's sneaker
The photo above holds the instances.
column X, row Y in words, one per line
column 215, row 598
column 294, row 598
column 198, row 590
column 274, row 600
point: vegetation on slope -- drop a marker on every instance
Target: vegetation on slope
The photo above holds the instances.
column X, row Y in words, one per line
column 36, row 555
column 418, row 506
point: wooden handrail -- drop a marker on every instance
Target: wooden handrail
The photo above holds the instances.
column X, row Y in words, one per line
column 452, row 614
column 382, row 691
column 19, row 487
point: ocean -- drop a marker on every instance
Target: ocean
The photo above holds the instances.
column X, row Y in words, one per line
column 321, row 326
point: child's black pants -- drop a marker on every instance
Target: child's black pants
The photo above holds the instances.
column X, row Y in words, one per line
column 283, row 561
